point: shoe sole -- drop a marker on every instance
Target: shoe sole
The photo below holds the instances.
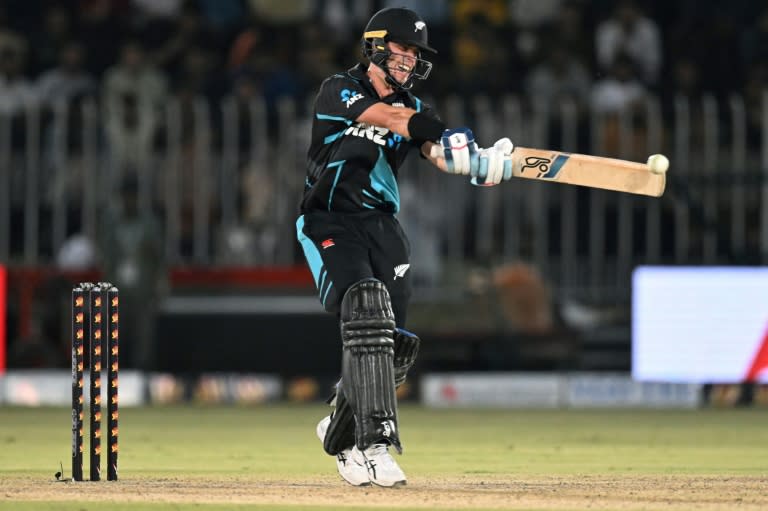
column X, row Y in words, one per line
column 361, row 485
column 396, row 484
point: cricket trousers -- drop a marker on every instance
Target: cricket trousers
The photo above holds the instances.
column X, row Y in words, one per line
column 344, row 248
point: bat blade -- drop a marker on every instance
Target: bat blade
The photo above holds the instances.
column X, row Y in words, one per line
column 586, row 170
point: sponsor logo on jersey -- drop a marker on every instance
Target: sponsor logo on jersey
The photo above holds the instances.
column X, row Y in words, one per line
column 376, row 134
column 327, row 243
column 349, row 97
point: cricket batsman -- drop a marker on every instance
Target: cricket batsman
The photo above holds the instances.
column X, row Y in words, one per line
column 365, row 121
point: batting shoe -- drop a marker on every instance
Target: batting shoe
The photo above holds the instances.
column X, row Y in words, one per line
column 350, row 462
column 382, row 467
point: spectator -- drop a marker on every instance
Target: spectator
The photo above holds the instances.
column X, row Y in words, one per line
column 524, row 297
column 221, row 15
column 559, row 76
column 16, row 91
column 187, row 31
column 168, row 9
column 686, row 79
column 716, row 50
column 55, row 32
column 573, row 31
column 277, row 71
column 340, row 16
column 246, row 50
column 480, row 63
column 615, row 98
column 131, row 249
column 67, row 85
column 620, row 90
column 246, row 91
column 532, row 14
column 69, row 80
column 317, row 57
column 754, row 41
column 685, row 84
column 258, row 184
column 754, row 93
column 490, row 12
column 76, row 254
column 631, row 33
column 195, row 74
column 134, row 93
column 282, row 12
column 101, row 29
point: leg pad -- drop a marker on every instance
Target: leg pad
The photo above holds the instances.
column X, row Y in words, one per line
column 341, row 431
column 367, row 367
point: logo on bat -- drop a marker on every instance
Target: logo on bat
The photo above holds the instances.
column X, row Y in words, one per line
column 540, row 165
column 545, row 168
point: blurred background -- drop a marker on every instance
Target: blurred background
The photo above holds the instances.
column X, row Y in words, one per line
column 160, row 145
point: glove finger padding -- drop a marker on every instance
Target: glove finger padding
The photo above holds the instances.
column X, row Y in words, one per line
column 491, row 168
column 495, row 164
column 506, row 146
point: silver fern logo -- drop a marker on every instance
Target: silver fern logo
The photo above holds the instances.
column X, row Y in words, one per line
column 400, row 270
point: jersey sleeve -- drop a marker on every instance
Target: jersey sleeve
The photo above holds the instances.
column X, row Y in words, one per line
column 342, row 98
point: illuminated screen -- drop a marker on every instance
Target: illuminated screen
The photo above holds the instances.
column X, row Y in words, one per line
column 700, row 324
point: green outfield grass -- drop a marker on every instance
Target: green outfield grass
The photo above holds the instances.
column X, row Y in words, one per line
column 170, row 450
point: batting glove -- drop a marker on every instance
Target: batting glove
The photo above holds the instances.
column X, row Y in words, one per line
column 460, row 151
column 495, row 164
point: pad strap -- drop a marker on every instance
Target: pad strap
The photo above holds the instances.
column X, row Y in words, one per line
column 406, row 350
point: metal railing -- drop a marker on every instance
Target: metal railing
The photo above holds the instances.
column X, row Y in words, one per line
column 225, row 180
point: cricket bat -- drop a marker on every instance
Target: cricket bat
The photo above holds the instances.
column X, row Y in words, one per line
column 585, row 170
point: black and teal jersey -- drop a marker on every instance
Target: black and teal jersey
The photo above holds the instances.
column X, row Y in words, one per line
column 351, row 166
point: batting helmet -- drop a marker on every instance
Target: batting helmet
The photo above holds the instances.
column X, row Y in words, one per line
column 399, row 25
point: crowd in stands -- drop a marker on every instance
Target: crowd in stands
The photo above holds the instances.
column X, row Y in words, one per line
column 603, row 52
column 133, row 56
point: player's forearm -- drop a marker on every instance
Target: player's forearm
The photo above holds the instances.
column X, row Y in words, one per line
column 409, row 123
column 399, row 121
column 406, row 122
column 392, row 118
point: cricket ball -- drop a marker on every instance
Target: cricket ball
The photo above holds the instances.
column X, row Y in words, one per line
column 658, row 163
